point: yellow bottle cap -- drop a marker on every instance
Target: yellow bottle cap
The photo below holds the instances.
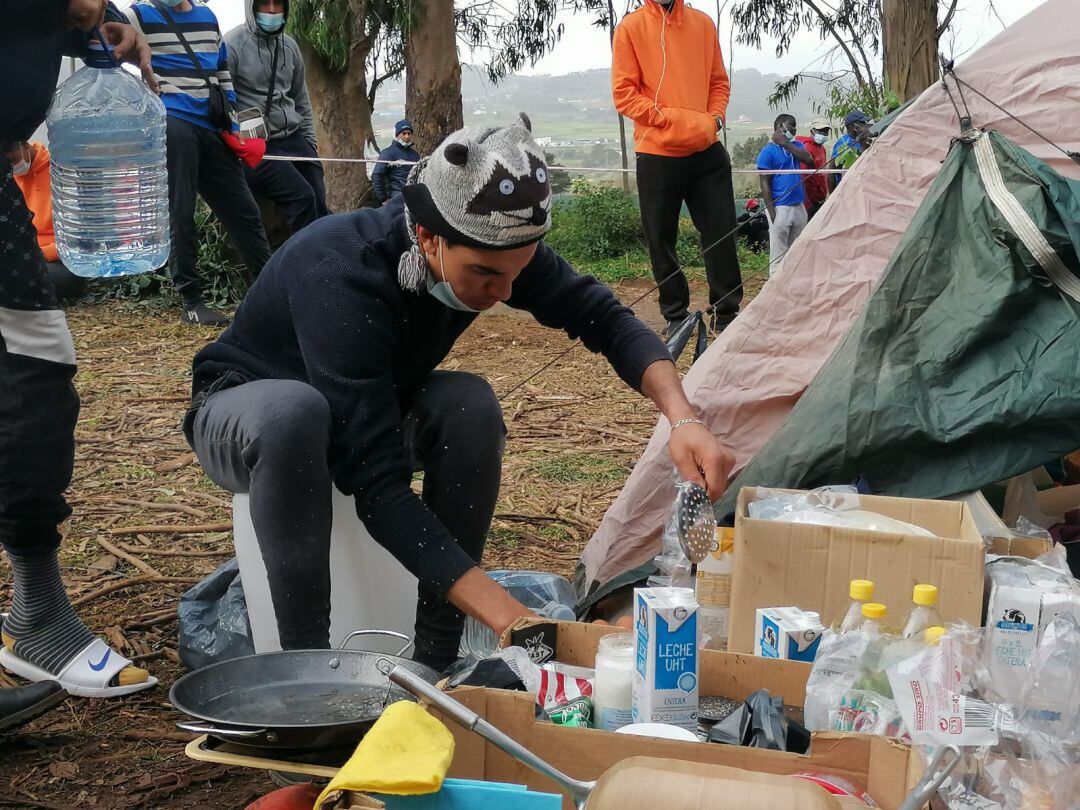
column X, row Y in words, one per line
column 873, row 610
column 861, row 590
column 925, row 595
column 932, row 635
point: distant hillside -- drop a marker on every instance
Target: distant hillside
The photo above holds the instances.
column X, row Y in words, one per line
column 577, row 106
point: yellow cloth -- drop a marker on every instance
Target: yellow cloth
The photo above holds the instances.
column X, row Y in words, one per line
column 406, row 753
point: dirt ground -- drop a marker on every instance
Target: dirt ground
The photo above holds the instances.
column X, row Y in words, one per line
column 147, row 524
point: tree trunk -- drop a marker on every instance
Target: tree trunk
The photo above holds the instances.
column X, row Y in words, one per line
column 342, row 117
column 433, row 76
column 909, row 36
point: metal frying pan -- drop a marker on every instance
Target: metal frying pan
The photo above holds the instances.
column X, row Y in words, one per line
column 298, row 699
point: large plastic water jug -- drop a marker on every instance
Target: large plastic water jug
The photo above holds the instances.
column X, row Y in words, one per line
column 547, row 595
column 109, row 179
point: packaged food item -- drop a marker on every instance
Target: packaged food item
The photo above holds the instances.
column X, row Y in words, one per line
column 837, row 786
column 787, row 633
column 613, row 688
column 666, row 657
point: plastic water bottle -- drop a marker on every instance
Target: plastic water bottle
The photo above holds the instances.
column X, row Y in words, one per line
column 861, row 591
column 109, row 180
column 924, row 613
column 548, row 595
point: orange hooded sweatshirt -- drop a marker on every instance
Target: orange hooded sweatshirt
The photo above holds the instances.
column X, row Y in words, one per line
column 673, row 107
column 37, row 192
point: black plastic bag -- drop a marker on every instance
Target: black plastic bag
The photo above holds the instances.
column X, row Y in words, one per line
column 214, row 620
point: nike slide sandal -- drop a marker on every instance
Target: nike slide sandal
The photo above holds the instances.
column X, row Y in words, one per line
column 88, row 674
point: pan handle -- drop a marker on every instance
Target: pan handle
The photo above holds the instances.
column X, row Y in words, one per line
column 227, row 733
column 471, row 721
column 936, row 773
column 407, row 639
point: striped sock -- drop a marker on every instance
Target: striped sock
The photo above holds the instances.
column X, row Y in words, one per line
column 44, row 625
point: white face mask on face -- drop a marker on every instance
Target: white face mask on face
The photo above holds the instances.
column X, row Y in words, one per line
column 21, row 166
column 441, row 290
column 820, row 138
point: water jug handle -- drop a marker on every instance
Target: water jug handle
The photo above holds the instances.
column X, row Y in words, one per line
column 100, row 37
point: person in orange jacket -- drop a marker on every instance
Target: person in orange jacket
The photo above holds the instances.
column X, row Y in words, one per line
column 668, row 77
column 30, row 166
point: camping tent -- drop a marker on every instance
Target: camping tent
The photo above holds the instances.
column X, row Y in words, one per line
column 747, row 383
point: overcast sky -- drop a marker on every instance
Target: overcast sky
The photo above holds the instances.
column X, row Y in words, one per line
column 584, row 47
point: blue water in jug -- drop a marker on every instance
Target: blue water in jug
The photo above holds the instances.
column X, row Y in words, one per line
column 109, row 179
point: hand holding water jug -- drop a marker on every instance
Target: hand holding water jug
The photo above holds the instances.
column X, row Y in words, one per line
column 109, row 179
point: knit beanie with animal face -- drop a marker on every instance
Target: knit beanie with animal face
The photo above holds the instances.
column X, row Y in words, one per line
column 485, row 187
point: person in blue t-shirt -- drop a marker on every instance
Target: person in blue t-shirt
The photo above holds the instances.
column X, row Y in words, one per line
column 784, row 194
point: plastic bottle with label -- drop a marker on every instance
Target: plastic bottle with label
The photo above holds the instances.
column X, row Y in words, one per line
column 924, row 612
column 871, row 670
column 861, row 591
column 613, row 690
column 713, row 587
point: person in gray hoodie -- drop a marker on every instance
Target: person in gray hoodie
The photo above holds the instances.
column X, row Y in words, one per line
column 268, row 76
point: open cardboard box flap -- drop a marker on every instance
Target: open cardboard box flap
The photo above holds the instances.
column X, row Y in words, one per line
column 779, row 564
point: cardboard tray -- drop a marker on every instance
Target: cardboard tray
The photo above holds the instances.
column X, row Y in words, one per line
column 887, row 769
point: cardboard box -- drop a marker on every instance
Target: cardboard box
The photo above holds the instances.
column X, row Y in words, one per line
column 883, row 766
column 887, row 769
column 808, row 566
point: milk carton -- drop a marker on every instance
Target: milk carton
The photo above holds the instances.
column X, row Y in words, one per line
column 666, row 663
column 787, row 633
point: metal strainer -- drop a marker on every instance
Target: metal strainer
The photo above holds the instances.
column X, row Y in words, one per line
column 695, row 522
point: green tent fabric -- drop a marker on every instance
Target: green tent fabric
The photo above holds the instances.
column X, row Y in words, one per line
column 964, row 367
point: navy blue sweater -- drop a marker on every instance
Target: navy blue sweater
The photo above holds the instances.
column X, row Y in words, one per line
column 327, row 310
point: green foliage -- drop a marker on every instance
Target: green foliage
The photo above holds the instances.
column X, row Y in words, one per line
column 598, row 223
column 325, row 25
column 558, row 178
column 599, row 232
column 745, row 153
column 223, row 275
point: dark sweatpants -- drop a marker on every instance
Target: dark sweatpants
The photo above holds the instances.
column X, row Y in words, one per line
column 270, row 438
column 200, row 162
column 296, row 188
column 38, row 403
column 703, row 181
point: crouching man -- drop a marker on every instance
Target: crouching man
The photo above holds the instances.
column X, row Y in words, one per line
column 328, row 376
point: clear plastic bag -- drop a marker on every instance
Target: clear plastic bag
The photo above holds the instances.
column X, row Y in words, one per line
column 828, row 506
column 548, row 595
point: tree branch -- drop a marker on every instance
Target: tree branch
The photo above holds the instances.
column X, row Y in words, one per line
column 941, row 29
column 827, row 23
